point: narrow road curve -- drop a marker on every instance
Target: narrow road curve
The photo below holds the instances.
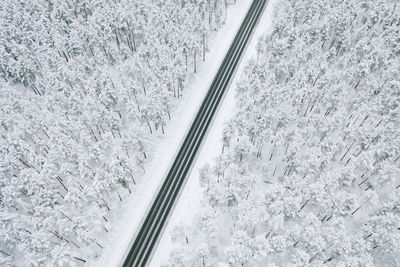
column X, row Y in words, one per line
column 152, row 226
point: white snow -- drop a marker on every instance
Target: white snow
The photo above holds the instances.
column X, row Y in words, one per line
column 190, row 200
column 133, row 211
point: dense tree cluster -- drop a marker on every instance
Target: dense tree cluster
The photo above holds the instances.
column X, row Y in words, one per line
column 83, row 86
column 310, row 171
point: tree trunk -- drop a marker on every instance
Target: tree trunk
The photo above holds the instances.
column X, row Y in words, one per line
column 173, row 84
column 134, row 43
column 148, row 123
column 194, row 62
column 204, row 47
column 133, row 179
column 144, row 88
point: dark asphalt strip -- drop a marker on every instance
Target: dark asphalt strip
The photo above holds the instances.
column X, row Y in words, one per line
column 156, row 218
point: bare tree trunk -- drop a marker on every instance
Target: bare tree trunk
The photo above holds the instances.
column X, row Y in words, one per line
column 144, row 88
column 148, row 123
column 134, row 44
column 173, row 84
column 194, row 62
column 133, row 179
column 204, row 47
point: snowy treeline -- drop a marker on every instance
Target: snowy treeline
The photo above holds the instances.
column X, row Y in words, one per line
column 83, row 86
column 310, row 172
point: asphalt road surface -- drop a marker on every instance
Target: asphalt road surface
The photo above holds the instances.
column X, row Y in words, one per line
column 156, row 218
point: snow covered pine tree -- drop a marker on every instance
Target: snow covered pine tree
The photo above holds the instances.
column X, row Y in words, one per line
column 87, row 87
column 310, row 171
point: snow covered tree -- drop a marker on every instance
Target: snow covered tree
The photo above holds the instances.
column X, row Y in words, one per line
column 86, row 88
column 310, row 173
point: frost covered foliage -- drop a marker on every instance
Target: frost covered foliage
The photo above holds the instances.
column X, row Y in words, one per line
column 310, row 173
column 83, row 86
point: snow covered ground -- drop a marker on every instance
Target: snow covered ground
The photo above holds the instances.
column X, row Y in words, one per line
column 133, row 211
column 190, row 200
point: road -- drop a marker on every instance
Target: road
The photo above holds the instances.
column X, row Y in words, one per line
column 151, row 228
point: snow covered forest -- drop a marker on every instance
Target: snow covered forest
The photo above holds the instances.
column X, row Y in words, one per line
column 309, row 173
column 87, row 88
